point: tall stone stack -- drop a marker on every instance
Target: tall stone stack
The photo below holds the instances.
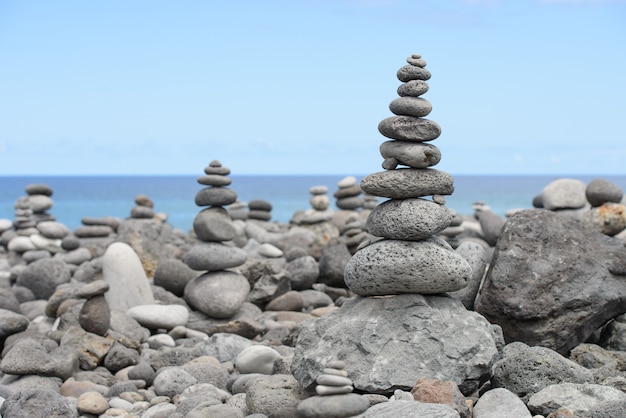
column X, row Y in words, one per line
column 219, row 292
column 410, row 252
column 402, row 326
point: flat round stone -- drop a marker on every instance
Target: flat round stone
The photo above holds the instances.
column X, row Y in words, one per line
column 418, row 62
column 215, row 196
column 411, row 72
column 410, row 106
column 405, row 183
column 390, row 267
column 215, row 180
column 408, row 219
column 413, row 154
column 413, row 88
column 409, row 128
column 214, row 256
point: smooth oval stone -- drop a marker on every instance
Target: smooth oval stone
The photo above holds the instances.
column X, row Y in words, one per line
column 93, row 231
column 409, row 128
column 333, row 390
column 48, row 244
column 389, row 267
column 564, row 193
column 259, row 215
column 215, row 196
column 159, row 316
column 405, row 183
column 408, row 219
column 344, row 405
column 218, row 294
column 319, row 202
column 333, row 380
column 39, row 203
column 215, row 167
column 410, row 106
column 348, row 191
column 260, row 204
column 21, row 244
column 418, row 62
column 38, row 188
column 52, row 229
column 214, row 256
column 316, row 190
column 413, row 154
column 95, row 316
column 214, row 224
column 412, row 72
column 413, row 88
column 142, row 212
column 610, row 218
column 346, row 182
column 600, row 191
column 256, row 359
column 215, row 180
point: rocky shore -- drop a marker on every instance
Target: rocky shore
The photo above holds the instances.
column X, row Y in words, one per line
column 391, row 306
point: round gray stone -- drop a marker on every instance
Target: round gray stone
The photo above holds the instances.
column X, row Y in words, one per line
column 30, row 402
column 38, row 188
column 215, row 196
column 564, row 193
column 215, row 180
column 52, row 229
column 172, row 381
column 409, row 128
column 413, row 154
column 43, row 276
column 173, row 275
column 214, row 224
column 218, row 294
column 408, row 219
column 214, row 256
column 405, row 183
column 389, row 267
column 413, row 88
column 412, row 72
column 600, row 191
column 333, row 406
column 410, row 106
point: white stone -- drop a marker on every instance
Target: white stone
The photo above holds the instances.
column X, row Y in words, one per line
column 270, row 251
column 256, row 359
column 5, row 224
column 21, row 244
column 156, row 316
column 128, row 284
column 49, row 244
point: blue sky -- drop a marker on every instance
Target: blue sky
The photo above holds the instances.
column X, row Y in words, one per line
column 299, row 87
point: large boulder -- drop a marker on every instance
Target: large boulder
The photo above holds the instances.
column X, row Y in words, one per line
column 388, row 343
column 553, row 281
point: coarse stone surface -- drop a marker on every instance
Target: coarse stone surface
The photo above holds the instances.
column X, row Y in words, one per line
column 405, row 183
column 409, row 128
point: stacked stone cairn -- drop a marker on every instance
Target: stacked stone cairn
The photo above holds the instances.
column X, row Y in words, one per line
column 260, row 210
column 320, row 207
column 143, row 209
column 401, row 310
column 349, row 195
column 213, row 226
column 407, row 221
column 334, row 397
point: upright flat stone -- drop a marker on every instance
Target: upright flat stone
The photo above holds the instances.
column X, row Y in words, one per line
column 128, row 284
column 405, row 183
column 389, row 267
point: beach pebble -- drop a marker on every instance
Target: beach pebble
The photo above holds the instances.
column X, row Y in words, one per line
column 215, row 180
column 120, row 357
column 289, row 301
column 218, row 294
column 405, row 183
column 564, row 193
column 155, row 316
column 256, row 359
column 214, row 224
column 38, row 188
column 346, row 405
column 412, row 72
column 93, row 231
column 128, row 284
column 440, row 392
column 92, row 403
column 173, row 275
column 95, row 316
column 43, row 276
column 39, row 203
column 303, row 272
column 408, row 219
column 409, row 409
column 409, row 128
column 600, row 191
column 500, row 402
column 412, row 154
column 214, row 256
column 413, row 88
column 608, row 218
column 28, row 357
column 215, row 196
column 410, row 106
column 51, row 245
column 11, row 323
column 577, row 397
column 21, row 244
column 279, row 392
column 29, row 402
column 411, row 263
column 270, row 251
column 52, row 229
column 172, row 381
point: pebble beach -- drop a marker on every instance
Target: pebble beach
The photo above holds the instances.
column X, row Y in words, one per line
column 390, row 305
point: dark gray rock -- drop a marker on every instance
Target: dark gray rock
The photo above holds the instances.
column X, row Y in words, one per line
column 553, row 281
column 11, row 323
column 215, row 196
column 95, row 316
column 303, row 272
column 526, row 370
column 218, row 294
column 409, row 128
column 173, row 275
column 8, row 300
column 142, row 371
column 333, row 262
column 30, row 403
column 577, row 397
column 426, row 335
column 276, row 396
column 601, row 191
column 43, row 276
column 404, row 183
column 172, row 381
column 120, row 357
column 27, row 356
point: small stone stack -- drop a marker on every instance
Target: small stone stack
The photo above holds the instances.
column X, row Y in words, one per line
column 410, row 258
column 33, row 208
column 349, row 194
column 354, row 233
column 213, row 226
column 334, row 398
column 143, row 209
column 320, row 207
column 260, row 210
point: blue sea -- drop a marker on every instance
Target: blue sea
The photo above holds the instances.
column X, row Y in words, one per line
column 100, row 196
